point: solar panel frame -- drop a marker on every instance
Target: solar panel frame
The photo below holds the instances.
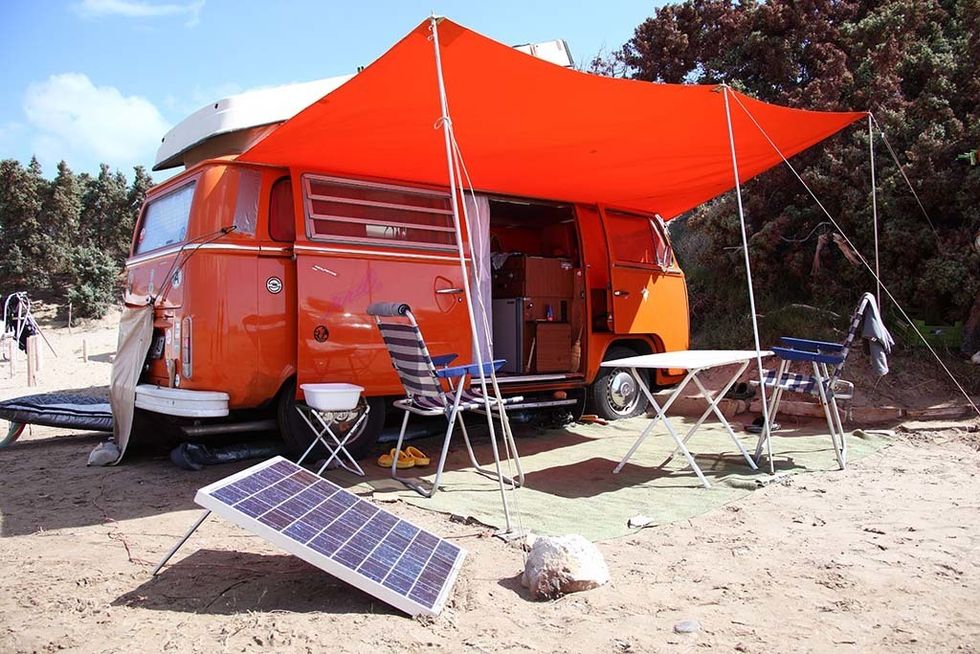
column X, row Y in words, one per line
column 403, row 584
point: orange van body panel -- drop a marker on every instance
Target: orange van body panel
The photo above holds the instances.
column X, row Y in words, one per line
column 261, row 311
column 242, row 334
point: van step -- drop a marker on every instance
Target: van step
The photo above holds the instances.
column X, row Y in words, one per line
column 524, row 379
column 538, row 404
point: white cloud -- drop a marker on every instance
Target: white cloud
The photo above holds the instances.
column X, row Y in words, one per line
column 8, row 134
column 138, row 9
column 80, row 122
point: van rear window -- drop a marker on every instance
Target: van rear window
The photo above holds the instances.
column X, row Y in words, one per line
column 165, row 220
column 361, row 212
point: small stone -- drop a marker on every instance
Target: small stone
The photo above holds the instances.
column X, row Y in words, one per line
column 687, row 627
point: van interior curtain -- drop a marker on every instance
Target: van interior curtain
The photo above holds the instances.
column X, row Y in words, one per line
column 478, row 217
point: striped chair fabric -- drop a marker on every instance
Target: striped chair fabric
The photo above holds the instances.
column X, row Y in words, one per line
column 413, row 364
column 807, row 384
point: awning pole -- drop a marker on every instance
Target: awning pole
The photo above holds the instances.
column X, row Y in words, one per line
column 450, row 162
column 874, row 203
column 766, row 427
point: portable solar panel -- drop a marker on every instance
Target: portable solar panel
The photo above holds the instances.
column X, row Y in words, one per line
column 340, row 533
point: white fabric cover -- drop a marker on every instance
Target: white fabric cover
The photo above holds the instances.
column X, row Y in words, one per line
column 478, row 217
column 135, row 331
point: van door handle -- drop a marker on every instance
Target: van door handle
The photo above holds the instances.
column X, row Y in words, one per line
column 449, row 291
column 621, row 293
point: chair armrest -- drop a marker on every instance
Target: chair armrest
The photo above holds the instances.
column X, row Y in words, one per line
column 811, row 346
column 471, row 369
column 799, row 355
column 444, row 359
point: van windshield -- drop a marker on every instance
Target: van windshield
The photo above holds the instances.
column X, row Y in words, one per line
column 165, row 220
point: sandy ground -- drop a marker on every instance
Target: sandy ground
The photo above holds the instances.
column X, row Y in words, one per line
column 881, row 557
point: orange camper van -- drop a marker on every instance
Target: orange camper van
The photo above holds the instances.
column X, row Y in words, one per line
column 260, row 277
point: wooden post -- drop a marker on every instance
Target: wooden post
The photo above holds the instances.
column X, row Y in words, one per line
column 39, row 355
column 12, row 350
column 69, row 317
column 32, row 360
column 84, row 350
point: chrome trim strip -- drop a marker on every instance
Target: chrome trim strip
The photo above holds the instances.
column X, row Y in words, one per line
column 380, row 253
column 230, row 247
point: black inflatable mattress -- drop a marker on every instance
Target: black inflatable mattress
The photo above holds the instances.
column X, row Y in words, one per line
column 59, row 410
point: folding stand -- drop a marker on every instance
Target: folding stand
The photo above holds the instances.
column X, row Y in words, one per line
column 326, row 419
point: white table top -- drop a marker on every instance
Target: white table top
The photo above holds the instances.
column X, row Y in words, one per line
column 687, row 359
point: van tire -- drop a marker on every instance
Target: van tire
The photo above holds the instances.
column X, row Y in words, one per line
column 297, row 435
column 606, row 395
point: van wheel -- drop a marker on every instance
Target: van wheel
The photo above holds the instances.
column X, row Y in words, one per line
column 615, row 392
column 297, row 434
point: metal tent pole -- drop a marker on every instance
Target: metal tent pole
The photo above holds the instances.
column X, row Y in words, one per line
column 874, row 204
column 450, row 162
column 766, row 427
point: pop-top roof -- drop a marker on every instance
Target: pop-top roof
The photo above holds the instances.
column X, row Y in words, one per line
column 237, row 113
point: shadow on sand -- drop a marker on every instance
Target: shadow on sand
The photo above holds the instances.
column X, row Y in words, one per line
column 225, row 582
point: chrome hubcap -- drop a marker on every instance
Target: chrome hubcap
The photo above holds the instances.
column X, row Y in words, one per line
column 623, row 392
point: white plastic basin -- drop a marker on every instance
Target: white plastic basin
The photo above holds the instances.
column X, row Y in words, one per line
column 332, row 397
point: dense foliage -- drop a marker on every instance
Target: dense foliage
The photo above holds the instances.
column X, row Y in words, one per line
column 915, row 65
column 67, row 238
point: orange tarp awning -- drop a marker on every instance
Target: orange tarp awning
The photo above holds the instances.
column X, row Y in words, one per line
column 529, row 128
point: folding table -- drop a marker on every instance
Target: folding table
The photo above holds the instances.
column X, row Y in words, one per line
column 694, row 361
column 326, row 420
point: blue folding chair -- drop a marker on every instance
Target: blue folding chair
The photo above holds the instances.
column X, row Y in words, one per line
column 823, row 383
column 422, row 376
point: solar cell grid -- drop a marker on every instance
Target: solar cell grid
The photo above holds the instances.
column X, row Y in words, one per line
column 335, row 530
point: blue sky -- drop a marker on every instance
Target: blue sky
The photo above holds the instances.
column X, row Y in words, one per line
column 93, row 81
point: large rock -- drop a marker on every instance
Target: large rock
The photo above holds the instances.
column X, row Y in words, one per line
column 560, row 565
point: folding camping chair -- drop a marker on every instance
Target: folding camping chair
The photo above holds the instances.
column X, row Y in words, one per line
column 824, row 384
column 422, row 377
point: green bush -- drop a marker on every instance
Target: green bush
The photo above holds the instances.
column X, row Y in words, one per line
column 94, row 275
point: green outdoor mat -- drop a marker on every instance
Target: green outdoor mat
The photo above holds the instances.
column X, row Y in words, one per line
column 570, row 486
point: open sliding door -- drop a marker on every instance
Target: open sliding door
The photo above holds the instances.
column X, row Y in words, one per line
column 648, row 289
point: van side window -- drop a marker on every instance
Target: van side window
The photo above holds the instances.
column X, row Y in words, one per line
column 247, row 202
column 370, row 213
column 638, row 239
column 165, row 220
column 282, row 227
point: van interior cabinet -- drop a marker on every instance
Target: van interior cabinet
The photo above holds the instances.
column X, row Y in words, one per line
column 529, row 345
column 552, row 346
column 526, row 276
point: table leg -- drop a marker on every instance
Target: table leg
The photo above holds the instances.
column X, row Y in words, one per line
column 713, row 406
column 660, row 414
column 653, row 421
column 707, row 397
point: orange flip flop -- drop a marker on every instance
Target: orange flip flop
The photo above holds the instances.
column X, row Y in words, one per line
column 405, row 460
column 418, row 456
